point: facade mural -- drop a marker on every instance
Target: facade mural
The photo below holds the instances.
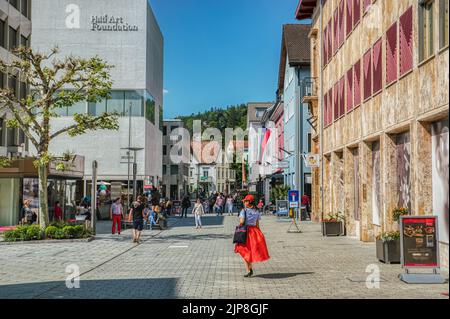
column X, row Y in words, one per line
column 440, row 159
column 403, row 145
column 376, row 184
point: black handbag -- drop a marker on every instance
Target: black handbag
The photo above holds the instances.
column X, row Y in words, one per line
column 240, row 234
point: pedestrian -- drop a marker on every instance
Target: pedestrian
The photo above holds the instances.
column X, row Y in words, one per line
column 230, row 202
column 198, row 212
column 218, row 207
column 168, row 206
column 185, row 205
column 255, row 249
column 137, row 216
column 307, row 204
column 57, row 212
column 115, row 214
column 261, row 205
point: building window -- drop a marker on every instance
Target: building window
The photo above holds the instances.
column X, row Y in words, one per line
column 3, row 34
column 367, row 66
column 164, row 150
column 22, row 90
column 260, row 112
column 164, row 170
column 12, row 38
column 97, row 108
column 77, row 108
column 349, row 17
column 335, row 31
column 443, row 23
column 336, row 101
column 24, row 7
column 356, row 12
column 2, row 80
column 391, row 54
column 426, row 30
column 12, row 84
column 406, row 41
column 11, row 134
column 14, row 3
column 23, row 41
column 173, row 128
column 342, row 97
column 341, row 22
column 357, row 84
column 367, row 4
column 165, row 130
column 349, row 78
column 309, row 143
column 134, row 100
column 21, row 138
column 2, row 138
column 330, row 40
column 325, row 46
column 377, row 66
column 173, row 169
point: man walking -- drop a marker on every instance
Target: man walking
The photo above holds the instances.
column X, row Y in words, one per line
column 185, row 205
column 115, row 214
column 137, row 216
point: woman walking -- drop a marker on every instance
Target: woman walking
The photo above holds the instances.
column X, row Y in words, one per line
column 255, row 249
column 198, row 213
column 230, row 205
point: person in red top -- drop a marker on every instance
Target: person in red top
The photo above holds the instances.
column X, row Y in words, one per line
column 307, row 203
column 58, row 211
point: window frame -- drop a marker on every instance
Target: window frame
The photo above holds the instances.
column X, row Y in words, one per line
column 443, row 24
column 426, row 30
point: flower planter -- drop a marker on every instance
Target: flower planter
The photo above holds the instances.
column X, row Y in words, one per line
column 388, row 251
column 332, row 228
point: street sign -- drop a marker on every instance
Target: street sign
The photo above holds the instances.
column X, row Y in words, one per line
column 294, row 197
column 282, row 208
column 148, row 182
column 281, row 165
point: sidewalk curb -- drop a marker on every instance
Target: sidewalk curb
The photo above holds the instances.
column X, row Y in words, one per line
column 50, row 241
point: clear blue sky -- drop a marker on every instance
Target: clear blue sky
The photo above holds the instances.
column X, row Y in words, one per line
column 220, row 52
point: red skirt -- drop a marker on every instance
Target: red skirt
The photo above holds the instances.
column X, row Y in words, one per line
column 255, row 250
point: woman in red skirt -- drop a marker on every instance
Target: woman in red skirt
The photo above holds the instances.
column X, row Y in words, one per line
column 255, row 250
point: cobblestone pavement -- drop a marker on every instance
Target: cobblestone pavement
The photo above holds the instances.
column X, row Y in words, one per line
column 183, row 262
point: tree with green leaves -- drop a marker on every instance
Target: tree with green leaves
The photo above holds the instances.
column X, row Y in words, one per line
column 54, row 84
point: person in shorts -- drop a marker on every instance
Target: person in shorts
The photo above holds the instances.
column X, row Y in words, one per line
column 137, row 216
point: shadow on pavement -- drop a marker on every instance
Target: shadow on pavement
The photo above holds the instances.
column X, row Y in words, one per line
column 207, row 220
column 282, row 275
column 187, row 237
column 158, row 288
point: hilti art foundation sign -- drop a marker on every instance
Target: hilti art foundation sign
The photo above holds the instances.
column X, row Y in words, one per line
column 111, row 23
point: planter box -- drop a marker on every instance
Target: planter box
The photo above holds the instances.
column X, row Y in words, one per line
column 388, row 252
column 332, row 228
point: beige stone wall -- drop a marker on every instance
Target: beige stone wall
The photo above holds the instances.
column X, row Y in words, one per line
column 410, row 104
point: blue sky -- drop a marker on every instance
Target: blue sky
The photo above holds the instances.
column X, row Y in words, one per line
column 220, row 52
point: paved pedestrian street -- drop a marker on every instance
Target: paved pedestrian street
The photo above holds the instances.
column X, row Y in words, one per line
column 183, row 262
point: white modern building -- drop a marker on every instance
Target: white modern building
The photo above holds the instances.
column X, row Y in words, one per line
column 126, row 35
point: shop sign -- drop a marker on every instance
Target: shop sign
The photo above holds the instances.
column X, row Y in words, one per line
column 419, row 242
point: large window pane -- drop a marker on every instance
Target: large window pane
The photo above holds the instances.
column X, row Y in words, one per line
column 12, row 83
column 12, row 38
column 2, row 33
column 12, row 134
column 134, row 100
column 61, row 111
column 24, row 7
column 2, row 140
column 115, row 102
column 443, row 23
column 14, row 3
column 23, row 41
column 77, row 108
column 150, row 108
column 426, row 31
column 97, row 108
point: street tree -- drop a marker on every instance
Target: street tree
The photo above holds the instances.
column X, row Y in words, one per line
column 55, row 83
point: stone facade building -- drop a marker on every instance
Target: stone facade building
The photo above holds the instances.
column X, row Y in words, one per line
column 382, row 72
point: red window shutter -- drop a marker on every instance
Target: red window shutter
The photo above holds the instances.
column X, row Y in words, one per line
column 406, row 41
column 335, row 31
column 330, row 39
column 391, row 54
column 325, row 46
column 367, row 66
column 377, row 66
column 349, row 81
column 357, row 83
column 356, row 11
column 336, row 101
column 367, row 4
column 330, row 106
column 349, row 17
column 341, row 22
column 342, row 96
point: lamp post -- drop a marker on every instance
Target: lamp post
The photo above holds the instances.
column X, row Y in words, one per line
column 135, row 150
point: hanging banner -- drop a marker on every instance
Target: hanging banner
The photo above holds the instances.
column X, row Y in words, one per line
column 312, row 160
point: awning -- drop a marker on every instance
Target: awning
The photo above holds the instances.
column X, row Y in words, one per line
column 305, row 9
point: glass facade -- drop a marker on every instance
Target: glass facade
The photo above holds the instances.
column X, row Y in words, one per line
column 125, row 103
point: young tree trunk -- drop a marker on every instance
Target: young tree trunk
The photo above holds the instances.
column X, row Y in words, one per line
column 43, row 196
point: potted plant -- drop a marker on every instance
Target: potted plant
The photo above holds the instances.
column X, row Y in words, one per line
column 333, row 225
column 388, row 243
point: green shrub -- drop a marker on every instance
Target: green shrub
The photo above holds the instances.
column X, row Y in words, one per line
column 60, row 233
column 69, row 232
column 389, row 236
column 33, row 232
column 50, row 232
column 11, row 235
column 78, row 231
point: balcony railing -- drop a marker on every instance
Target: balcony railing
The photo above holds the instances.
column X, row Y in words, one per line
column 310, row 88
